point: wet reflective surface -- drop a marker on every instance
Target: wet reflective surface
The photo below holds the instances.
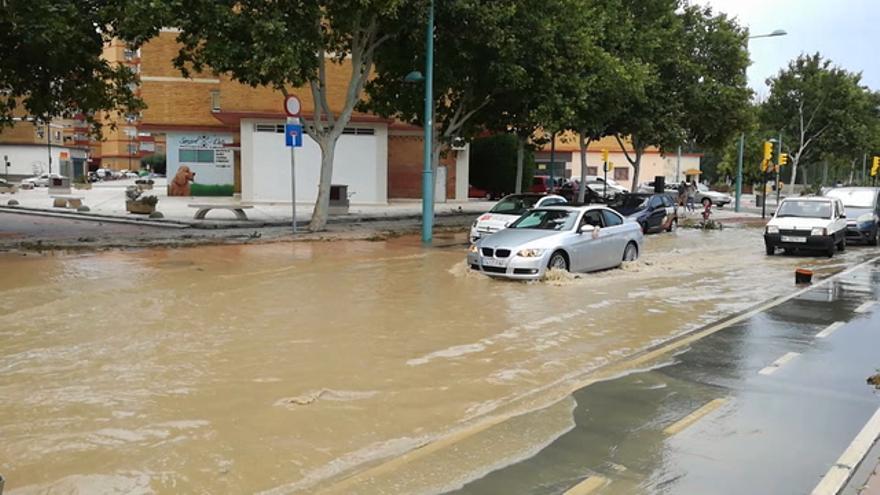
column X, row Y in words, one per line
column 281, row 367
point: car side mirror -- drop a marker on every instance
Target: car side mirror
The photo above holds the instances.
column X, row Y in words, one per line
column 586, row 228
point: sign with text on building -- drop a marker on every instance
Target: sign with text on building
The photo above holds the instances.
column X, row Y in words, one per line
column 293, row 135
column 223, row 158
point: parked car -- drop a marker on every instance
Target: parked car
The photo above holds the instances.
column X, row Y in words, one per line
column 598, row 184
column 706, row 196
column 653, row 212
column 41, row 180
column 476, row 192
column 542, row 184
column 577, row 239
column 863, row 212
column 570, row 191
column 808, row 223
column 508, row 210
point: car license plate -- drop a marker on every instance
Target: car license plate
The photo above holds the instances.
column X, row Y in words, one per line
column 494, row 262
column 787, row 238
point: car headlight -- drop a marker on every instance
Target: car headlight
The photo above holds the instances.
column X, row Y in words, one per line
column 473, row 248
column 772, row 229
column 819, row 231
column 530, row 253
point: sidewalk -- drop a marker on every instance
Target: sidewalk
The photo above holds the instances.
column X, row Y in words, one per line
column 106, row 202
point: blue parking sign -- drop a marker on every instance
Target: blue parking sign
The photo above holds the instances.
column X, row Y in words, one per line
column 293, row 135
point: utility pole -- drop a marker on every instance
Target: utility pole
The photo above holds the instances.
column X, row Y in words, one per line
column 49, row 143
column 778, row 167
column 552, row 160
column 427, row 174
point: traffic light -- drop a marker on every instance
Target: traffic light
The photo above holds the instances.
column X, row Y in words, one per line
column 765, row 164
column 605, row 155
column 768, row 151
column 875, row 167
column 783, row 159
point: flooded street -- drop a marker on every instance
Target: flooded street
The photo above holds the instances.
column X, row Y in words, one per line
column 287, row 367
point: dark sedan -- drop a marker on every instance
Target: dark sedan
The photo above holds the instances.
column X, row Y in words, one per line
column 654, row 212
column 862, row 212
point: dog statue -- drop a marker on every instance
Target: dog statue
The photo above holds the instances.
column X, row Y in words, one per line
column 180, row 185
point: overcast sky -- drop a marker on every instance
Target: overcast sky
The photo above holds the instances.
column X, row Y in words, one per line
column 846, row 31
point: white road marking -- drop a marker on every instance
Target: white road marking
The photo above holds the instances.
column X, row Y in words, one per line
column 769, row 370
column 829, row 330
column 846, row 464
column 695, row 416
column 865, row 307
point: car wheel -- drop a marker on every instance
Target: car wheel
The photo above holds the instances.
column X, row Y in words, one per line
column 706, row 202
column 770, row 248
column 630, row 252
column 558, row 261
column 644, row 228
column 672, row 225
column 830, row 252
column 874, row 237
column 841, row 246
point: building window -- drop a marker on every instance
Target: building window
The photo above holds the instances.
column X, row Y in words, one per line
column 129, row 54
column 592, row 170
column 277, row 128
column 132, row 149
column 195, row 156
column 359, row 131
column 215, row 100
column 621, row 173
column 148, row 146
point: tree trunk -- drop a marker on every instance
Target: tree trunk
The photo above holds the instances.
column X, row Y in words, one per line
column 520, row 158
column 584, row 144
column 824, row 173
column 804, row 179
column 322, row 204
column 794, row 170
column 636, row 164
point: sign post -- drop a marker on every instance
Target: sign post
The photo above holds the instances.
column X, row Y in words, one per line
column 293, row 139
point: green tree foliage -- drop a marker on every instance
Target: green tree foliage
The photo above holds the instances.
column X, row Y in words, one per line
column 820, row 109
column 51, row 65
column 695, row 89
column 286, row 44
column 493, row 164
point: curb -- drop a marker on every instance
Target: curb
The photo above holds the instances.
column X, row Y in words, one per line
column 180, row 224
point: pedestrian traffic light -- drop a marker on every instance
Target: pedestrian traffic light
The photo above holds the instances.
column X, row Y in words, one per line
column 768, row 151
column 605, row 155
column 783, row 159
column 875, row 168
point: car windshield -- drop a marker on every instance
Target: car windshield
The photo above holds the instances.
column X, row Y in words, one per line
column 702, row 187
column 546, row 220
column 515, row 205
column 807, row 209
column 854, row 199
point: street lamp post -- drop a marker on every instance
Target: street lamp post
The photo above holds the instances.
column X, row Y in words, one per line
column 742, row 136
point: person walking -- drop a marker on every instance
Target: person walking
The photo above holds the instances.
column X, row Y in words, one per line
column 691, row 189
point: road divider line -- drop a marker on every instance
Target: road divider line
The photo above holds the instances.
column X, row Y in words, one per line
column 829, row 330
column 836, row 477
column 587, row 486
column 865, row 307
column 769, row 370
column 693, row 417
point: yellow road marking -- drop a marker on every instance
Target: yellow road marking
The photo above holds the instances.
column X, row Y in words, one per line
column 589, row 485
column 694, row 416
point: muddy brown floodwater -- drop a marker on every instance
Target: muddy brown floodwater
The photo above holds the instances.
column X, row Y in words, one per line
column 288, row 367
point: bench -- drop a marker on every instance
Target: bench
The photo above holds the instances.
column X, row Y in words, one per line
column 67, row 201
column 203, row 209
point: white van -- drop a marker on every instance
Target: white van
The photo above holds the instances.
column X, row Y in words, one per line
column 810, row 223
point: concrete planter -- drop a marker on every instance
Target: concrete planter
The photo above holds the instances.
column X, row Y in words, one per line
column 82, row 186
column 139, row 208
column 11, row 189
column 145, row 187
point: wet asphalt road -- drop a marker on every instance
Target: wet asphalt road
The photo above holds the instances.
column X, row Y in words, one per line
column 720, row 417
